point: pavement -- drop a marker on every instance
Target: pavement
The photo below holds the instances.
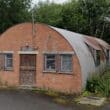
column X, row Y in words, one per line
column 27, row 100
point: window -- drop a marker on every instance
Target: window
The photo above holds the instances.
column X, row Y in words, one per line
column 107, row 55
column 61, row 63
column 8, row 61
column 97, row 58
column 95, row 54
column 66, row 63
column 50, row 62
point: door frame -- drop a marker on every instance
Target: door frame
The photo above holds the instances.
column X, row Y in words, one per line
column 27, row 53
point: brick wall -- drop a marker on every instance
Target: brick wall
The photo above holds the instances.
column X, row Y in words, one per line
column 45, row 39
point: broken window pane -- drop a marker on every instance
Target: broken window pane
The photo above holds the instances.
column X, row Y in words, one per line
column 50, row 61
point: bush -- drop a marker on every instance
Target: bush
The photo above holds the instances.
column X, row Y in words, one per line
column 92, row 84
column 99, row 84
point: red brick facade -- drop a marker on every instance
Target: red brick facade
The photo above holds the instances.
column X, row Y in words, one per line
column 46, row 39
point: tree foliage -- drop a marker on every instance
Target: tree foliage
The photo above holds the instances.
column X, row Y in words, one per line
column 96, row 12
column 91, row 17
column 13, row 12
column 48, row 12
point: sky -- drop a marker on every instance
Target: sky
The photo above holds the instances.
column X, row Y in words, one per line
column 56, row 1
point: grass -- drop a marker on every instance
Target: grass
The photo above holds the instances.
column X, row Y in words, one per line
column 52, row 93
column 58, row 97
column 61, row 101
column 99, row 84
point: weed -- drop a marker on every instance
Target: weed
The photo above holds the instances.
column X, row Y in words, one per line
column 100, row 84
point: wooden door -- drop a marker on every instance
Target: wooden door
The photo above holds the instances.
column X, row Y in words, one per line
column 27, row 69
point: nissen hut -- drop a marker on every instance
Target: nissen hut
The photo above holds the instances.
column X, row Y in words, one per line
column 51, row 58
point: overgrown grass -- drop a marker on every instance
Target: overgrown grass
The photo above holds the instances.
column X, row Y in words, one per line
column 61, row 100
column 58, row 97
column 100, row 84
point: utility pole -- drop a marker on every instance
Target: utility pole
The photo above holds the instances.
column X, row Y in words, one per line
column 33, row 29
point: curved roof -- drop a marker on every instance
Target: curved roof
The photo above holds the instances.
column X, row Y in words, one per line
column 77, row 41
column 103, row 43
column 93, row 43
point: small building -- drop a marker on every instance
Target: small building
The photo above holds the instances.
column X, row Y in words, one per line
column 51, row 58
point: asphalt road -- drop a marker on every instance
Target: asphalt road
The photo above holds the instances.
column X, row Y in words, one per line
column 25, row 100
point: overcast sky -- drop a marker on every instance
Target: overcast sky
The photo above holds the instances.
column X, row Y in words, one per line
column 56, row 1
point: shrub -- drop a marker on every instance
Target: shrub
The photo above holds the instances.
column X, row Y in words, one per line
column 92, row 84
column 99, row 84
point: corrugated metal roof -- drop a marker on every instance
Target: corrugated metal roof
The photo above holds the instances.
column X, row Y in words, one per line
column 103, row 43
column 92, row 42
column 77, row 41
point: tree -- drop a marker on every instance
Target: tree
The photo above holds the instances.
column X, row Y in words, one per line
column 88, row 17
column 72, row 18
column 95, row 12
column 48, row 12
column 91, row 17
column 13, row 12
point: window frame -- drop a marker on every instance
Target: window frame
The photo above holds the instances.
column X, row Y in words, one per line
column 6, row 67
column 97, row 62
column 94, row 55
column 61, row 63
column 107, row 56
column 57, row 62
column 45, row 63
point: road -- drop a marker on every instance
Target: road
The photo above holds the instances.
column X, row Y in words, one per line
column 25, row 100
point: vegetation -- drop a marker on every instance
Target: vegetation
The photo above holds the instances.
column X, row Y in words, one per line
column 13, row 12
column 49, row 13
column 100, row 85
column 58, row 97
column 91, row 17
column 61, row 101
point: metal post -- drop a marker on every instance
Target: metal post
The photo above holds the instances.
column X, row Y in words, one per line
column 33, row 28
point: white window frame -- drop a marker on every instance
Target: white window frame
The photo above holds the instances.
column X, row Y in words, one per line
column 6, row 58
column 45, row 63
column 61, row 66
column 58, row 64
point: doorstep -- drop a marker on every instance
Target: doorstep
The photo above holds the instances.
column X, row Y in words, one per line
column 26, row 87
column 95, row 101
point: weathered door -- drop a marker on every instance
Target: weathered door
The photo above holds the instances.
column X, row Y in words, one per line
column 27, row 69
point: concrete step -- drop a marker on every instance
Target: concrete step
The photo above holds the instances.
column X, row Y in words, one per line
column 96, row 101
